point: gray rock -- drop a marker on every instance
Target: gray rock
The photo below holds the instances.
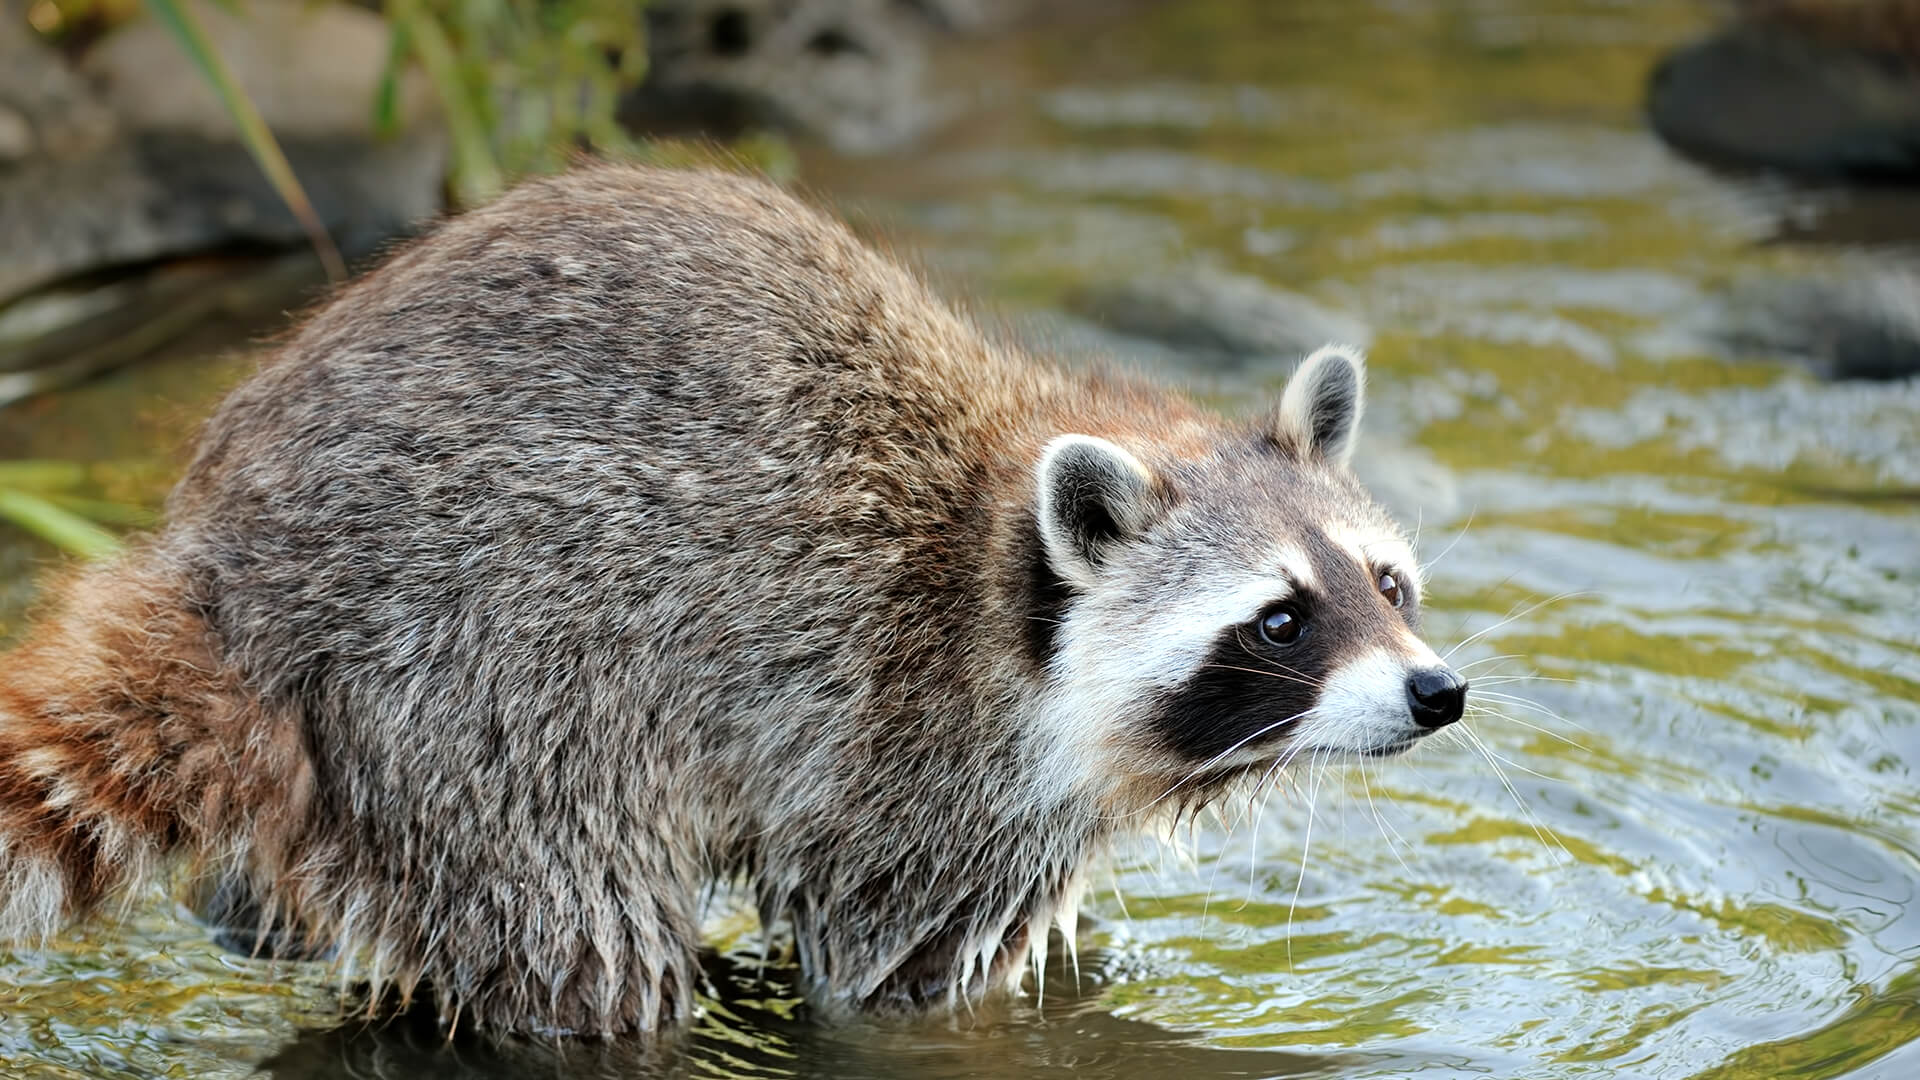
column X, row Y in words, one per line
column 1768, row 96
column 132, row 159
column 311, row 69
column 1230, row 318
column 850, row 72
column 45, row 108
column 16, row 135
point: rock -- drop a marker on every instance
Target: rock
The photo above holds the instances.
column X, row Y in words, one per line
column 311, row 70
column 64, row 334
column 147, row 166
column 1861, row 322
column 1771, row 94
column 851, row 72
column 45, row 108
column 1227, row 317
column 16, row 135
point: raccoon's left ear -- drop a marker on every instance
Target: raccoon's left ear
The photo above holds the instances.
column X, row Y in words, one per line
column 1093, row 496
column 1319, row 412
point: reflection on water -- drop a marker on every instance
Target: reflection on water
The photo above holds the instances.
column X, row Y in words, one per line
column 1684, row 841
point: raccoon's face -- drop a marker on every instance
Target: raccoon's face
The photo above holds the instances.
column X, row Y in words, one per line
column 1251, row 606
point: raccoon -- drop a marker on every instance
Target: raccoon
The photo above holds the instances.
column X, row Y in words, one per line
column 645, row 529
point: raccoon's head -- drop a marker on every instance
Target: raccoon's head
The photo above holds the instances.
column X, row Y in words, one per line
column 1220, row 612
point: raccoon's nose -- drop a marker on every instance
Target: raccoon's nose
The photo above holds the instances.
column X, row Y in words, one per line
column 1437, row 697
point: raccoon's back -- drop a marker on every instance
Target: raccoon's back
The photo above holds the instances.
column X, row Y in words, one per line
column 622, row 413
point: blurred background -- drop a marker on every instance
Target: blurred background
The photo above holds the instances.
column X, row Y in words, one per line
column 1639, row 281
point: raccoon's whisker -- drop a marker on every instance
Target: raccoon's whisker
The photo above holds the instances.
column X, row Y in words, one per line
column 1204, row 766
column 1119, row 897
column 1559, row 849
column 1497, row 680
column 1501, row 695
column 1387, row 831
column 1306, row 849
column 1266, row 674
column 1460, row 622
column 1280, row 763
column 1471, row 664
column 1258, row 658
column 1505, row 760
column 1461, row 535
column 1213, row 877
column 1512, row 719
column 1548, row 732
column 1258, row 811
column 1470, row 639
column 1533, row 707
column 1269, row 782
column 1253, row 844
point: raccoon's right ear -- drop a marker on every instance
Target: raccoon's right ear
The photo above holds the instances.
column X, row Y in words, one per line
column 1092, row 496
column 1319, row 413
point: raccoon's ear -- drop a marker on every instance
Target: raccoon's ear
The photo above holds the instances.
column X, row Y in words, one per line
column 1319, row 412
column 1092, row 495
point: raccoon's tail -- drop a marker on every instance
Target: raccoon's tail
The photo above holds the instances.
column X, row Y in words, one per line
column 124, row 739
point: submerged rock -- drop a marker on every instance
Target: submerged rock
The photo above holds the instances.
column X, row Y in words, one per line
column 1812, row 88
column 1404, row 477
column 1859, row 323
column 1226, row 317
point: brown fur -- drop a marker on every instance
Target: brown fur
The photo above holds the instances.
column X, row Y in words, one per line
column 126, row 738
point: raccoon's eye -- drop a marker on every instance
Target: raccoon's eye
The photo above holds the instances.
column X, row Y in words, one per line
column 1390, row 588
column 1282, row 626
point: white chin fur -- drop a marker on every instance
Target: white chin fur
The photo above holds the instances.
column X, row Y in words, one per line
column 1363, row 709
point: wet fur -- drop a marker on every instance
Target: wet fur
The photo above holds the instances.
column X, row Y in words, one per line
column 640, row 529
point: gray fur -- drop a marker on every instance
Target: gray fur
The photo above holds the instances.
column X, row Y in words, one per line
column 643, row 529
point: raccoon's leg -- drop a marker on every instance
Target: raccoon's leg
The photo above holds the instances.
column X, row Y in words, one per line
column 123, row 739
column 576, row 945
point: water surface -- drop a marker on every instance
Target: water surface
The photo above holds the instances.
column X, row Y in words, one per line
column 1686, row 847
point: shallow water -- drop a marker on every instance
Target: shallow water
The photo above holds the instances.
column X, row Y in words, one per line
column 1689, row 847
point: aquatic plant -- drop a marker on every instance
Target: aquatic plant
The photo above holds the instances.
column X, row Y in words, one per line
column 38, row 497
column 523, row 85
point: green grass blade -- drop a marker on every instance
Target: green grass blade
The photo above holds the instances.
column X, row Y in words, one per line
column 56, row 526
column 477, row 176
column 42, row 476
column 185, row 26
column 105, row 512
column 386, row 98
